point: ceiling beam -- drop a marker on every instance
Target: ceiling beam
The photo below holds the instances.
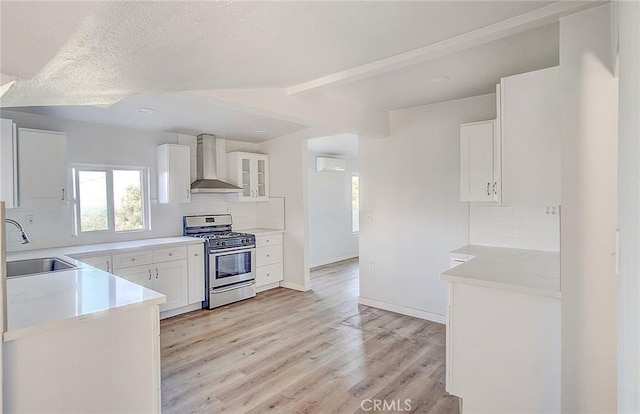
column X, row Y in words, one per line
column 505, row 28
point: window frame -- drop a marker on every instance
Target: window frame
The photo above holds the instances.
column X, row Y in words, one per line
column 109, row 169
column 355, row 175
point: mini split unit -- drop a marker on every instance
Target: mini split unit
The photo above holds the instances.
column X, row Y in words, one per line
column 324, row 164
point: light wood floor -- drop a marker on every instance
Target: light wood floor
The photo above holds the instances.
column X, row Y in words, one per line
column 303, row 352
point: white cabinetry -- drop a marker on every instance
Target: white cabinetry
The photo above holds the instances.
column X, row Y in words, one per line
column 196, row 272
column 163, row 270
column 42, row 167
column 174, row 173
column 251, row 172
column 480, row 162
column 8, row 164
column 530, row 126
column 102, row 262
column 269, row 268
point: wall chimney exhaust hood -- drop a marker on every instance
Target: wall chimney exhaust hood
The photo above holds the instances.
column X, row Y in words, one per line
column 206, row 172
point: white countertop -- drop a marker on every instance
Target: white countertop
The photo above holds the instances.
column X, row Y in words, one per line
column 529, row 271
column 262, row 231
column 51, row 300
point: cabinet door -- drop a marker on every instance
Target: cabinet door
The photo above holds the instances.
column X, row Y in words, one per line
column 530, row 127
column 196, row 273
column 477, row 152
column 261, row 178
column 269, row 274
column 42, row 167
column 171, row 279
column 174, row 173
column 8, row 164
column 101, row 262
column 140, row 275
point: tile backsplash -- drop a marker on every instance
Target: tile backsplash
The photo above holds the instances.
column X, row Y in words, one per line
column 517, row 227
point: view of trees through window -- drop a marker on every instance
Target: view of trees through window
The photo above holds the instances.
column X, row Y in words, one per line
column 109, row 200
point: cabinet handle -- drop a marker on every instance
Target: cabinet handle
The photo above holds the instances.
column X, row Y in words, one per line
column 170, row 254
column 195, row 254
column 62, row 195
column 268, row 255
column 133, row 259
column 108, row 266
column 149, row 274
column 188, row 193
column 494, row 187
column 488, row 188
column 156, row 272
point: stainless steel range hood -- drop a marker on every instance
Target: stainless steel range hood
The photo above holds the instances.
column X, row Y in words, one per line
column 206, row 173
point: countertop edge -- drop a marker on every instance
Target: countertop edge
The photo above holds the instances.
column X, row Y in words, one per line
column 502, row 286
column 61, row 323
column 261, row 231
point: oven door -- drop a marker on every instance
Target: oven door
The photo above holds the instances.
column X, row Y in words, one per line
column 229, row 267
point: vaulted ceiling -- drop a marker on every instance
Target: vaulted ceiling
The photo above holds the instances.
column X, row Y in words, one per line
column 209, row 65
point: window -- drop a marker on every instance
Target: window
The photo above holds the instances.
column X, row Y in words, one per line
column 110, row 199
column 355, row 204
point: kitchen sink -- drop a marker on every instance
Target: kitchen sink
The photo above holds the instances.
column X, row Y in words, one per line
column 34, row 266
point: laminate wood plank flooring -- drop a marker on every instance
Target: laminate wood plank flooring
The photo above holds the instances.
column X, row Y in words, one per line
column 304, row 352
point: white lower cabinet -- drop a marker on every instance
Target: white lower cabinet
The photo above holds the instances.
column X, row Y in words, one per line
column 269, row 256
column 196, row 272
column 176, row 271
column 165, row 270
column 171, row 279
column 103, row 262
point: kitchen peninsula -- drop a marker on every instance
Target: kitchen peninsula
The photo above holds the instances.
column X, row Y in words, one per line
column 503, row 329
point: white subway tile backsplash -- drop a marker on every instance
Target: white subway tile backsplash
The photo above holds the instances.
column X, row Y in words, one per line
column 501, row 221
column 518, row 227
column 513, row 242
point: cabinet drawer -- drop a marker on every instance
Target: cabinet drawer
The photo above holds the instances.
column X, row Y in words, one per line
column 138, row 258
column 268, row 255
column 264, row 241
column 170, row 253
column 269, row 274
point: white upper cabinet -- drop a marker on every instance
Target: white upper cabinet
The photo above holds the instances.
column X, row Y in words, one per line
column 251, row 172
column 174, row 173
column 42, row 167
column 480, row 162
column 8, row 164
column 530, row 127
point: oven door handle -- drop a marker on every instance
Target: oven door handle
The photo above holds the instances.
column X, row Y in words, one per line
column 215, row 252
column 233, row 287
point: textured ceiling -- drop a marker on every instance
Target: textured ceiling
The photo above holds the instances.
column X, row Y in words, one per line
column 132, row 53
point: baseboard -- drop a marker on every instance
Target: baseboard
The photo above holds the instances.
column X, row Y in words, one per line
column 433, row 317
column 181, row 310
column 267, row 287
column 293, row 286
column 333, row 260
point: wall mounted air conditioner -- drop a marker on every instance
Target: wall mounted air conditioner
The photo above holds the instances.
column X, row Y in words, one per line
column 324, row 164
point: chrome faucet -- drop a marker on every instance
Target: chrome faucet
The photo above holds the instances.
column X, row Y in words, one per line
column 24, row 239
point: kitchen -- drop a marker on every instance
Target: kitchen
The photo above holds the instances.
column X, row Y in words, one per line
column 411, row 166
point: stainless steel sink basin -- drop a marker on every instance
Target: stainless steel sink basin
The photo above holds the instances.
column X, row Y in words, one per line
column 34, row 266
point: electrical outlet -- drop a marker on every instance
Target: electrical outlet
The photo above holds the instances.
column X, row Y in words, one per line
column 372, row 267
column 369, row 217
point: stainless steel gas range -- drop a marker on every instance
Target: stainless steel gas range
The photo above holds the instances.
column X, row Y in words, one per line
column 230, row 259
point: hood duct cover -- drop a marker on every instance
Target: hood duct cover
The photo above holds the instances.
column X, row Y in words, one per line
column 206, row 172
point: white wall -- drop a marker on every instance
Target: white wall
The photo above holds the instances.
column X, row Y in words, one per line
column 589, row 219
column 90, row 143
column 331, row 238
column 628, row 14
column 516, row 227
column 409, row 185
column 288, row 171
